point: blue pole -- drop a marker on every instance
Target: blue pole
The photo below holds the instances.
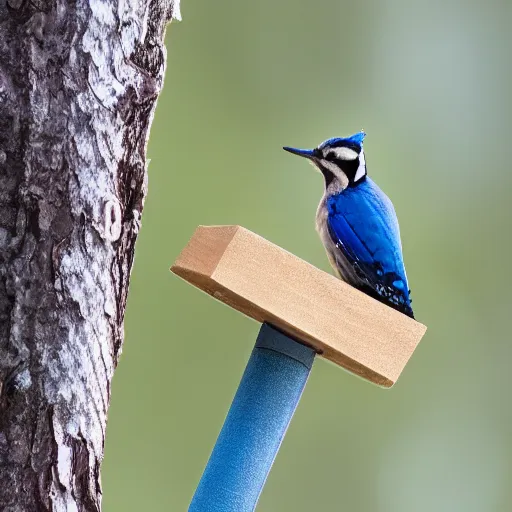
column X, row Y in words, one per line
column 256, row 423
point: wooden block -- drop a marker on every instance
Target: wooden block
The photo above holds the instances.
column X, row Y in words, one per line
column 269, row 284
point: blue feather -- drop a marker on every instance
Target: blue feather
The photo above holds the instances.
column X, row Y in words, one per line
column 356, row 140
column 362, row 223
column 357, row 223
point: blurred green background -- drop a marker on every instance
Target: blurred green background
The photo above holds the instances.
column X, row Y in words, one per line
column 430, row 83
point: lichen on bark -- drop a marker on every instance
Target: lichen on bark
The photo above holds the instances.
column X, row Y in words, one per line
column 79, row 82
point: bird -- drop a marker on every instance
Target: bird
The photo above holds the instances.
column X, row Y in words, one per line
column 357, row 223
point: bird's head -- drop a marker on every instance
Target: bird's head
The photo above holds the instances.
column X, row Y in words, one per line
column 340, row 160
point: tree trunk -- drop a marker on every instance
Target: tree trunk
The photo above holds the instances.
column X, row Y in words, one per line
column 79, row 80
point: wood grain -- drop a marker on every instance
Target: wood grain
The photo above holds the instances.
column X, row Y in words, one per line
column 269, row 284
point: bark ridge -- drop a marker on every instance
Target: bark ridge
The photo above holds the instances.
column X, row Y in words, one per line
column 79, row 80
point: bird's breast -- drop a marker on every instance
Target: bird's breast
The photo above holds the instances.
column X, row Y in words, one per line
column 321, row 223
column 338, row 262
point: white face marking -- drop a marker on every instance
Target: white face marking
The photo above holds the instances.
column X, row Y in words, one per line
column 341, row 181
column 343, row 153
column 331, row 166
column 361, row 170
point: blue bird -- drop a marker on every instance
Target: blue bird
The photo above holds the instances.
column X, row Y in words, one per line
column 357, row 223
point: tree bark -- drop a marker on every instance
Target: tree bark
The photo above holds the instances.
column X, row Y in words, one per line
column 79, row 80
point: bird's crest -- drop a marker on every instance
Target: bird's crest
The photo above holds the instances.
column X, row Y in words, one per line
column 357, row 138
column 353, row 140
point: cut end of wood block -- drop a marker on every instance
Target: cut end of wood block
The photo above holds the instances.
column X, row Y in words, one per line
column 269, row 284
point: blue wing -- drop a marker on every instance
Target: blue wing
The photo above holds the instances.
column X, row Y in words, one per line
column 363, row 225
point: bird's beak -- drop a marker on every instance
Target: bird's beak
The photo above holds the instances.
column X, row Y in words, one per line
column 306, row 153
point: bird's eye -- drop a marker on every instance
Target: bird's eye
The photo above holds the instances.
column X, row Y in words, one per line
column 331, row 156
